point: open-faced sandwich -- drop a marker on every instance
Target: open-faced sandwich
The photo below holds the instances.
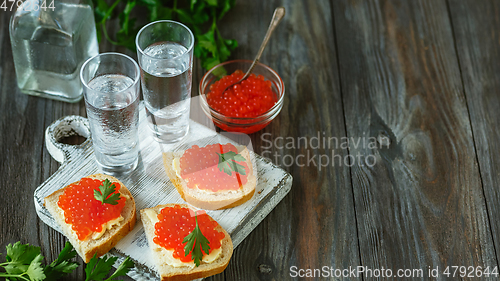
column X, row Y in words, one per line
column 186, row 245
column 94, row 213
column 213, row 177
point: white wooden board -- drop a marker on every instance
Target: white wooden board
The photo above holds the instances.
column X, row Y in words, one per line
column 150, row 185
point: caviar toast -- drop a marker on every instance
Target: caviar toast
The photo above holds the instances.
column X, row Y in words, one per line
column 212, row 177
column 94, row 213
column 185, row 245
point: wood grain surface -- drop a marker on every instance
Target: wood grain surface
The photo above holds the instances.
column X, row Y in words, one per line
column 315, row 224
column 24, row 161
column 423, row 199
column 475, row 27
column 420, row 77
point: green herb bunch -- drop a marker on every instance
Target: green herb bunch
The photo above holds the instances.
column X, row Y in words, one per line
column 24, row 262
column 198, row 15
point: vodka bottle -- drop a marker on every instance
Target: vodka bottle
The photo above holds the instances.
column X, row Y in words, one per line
column 50, row 41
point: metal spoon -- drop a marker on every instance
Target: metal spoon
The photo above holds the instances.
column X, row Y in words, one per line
column 279, row 13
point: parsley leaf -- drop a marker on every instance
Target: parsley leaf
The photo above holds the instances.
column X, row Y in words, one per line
column 228, row 163
column 106, row 194
column 196, row 240
column 210, row 47
column 98, row 268
column 19, row 257
column 63, row 264
column 127, row 26
column 35, row 269
column 123, row 268
column 24, row 262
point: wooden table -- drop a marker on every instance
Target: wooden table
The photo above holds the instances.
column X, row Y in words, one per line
column 422, row 78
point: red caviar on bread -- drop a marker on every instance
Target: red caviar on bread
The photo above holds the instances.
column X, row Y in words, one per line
column 175, row 223
column 201, row 168
column 91, row 213
column 212, row 177
column 83, row 211
column 170, row 230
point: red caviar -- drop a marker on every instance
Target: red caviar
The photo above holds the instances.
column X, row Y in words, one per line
column 86, row 214
column 176, row 222
column 250, row 98
column 199, row 168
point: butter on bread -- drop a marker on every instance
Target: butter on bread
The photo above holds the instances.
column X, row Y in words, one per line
column 107, row 240
column 161, row 256
column 206, row 199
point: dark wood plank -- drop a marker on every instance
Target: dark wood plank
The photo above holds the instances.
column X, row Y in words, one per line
column 24, row 161
column 316, row 219
column 476, row 26
column 315, row 224
column 422, row 203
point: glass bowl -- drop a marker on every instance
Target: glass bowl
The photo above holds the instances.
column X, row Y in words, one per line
column 245, row 125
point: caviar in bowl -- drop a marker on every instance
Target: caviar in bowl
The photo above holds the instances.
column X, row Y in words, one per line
column 247, row 107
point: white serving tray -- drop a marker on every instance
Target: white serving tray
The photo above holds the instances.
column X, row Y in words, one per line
column 150, row 185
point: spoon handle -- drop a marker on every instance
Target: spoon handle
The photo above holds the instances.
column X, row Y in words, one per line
column 279, row 13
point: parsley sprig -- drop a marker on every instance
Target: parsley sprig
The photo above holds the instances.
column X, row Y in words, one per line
column 63, row 264
column 98, row 268
column 211, row 48
column 196, row 243
column 228, row 163
column 106, row 194
column 24, row 262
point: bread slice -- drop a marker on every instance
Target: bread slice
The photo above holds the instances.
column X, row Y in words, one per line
column 211, row 200
column 87, row 248
column 170, row 273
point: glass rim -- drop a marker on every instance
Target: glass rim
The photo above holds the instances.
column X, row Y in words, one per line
column 139, row 49
column 137, row 70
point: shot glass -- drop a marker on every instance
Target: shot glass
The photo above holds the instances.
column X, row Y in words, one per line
column 165, row 54
column 111, row 91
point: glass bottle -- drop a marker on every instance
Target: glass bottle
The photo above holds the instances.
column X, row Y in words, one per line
column 51, row 39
